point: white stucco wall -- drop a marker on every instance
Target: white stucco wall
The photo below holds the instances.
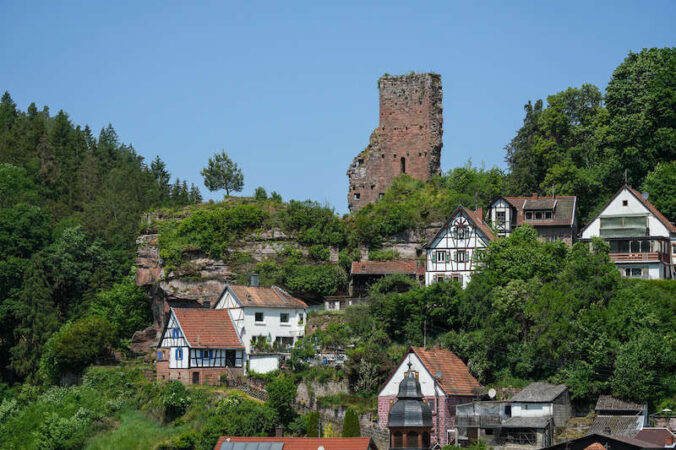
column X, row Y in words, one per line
column 446, row 242
column 263, row 363
column 179, row 364
column 503, row 206
column 634, row 206
column 425, row 378
column 244, row 320
column 532, row 409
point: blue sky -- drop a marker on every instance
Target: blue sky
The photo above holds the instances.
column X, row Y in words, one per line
column 288, row 89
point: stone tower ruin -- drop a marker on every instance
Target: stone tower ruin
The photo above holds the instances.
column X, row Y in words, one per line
column 407, row 140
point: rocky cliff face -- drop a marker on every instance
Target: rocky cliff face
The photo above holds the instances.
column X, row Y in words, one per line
column 200, row 280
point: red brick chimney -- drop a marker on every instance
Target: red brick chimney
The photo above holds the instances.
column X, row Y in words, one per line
column 535, row 196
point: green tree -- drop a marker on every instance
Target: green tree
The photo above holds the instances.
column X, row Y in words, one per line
column 260, row 193
column 313, row 424
column 351, row 424
column 75, row 346
column 222, row 173
column 661, row 185
column 281, row 395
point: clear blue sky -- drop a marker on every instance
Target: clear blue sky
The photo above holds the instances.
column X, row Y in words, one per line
column 288, row 89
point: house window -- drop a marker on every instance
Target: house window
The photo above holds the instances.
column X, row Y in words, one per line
column 538, row 215
column 438, row 278
column 525, row 406
column 179, row 354
column 403, row 165
column 174, row 333
column 284, row 317
column 548, row 215
column 259, row 317
column 356, row 196
column 529, row 215
column 457, row 278
column 430, row 403
column 238, row 358
column 636, row 273
column 501, row 217
column 460, row 256
column 625, row 202
column 380, row 196
column 462, row 232
column 159, row 356
column 441, row 256
column 300, row 318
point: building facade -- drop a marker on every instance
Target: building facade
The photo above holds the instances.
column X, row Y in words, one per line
column 199, row 345
column 457, row 247
column 445, row 382
column 407, row 139
column 642, row 241
column 268, row 320
column 554, row 218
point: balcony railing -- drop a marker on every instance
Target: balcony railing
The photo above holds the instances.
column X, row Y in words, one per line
column 642, row 257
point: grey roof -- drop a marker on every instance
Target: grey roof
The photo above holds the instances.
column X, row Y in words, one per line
column 526, row 422
column 540, row 392
column 252, row 446
column 618, row 425
column 610, row 403
column 410, row 410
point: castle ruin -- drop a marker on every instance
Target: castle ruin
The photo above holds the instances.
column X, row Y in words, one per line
column 407, row 139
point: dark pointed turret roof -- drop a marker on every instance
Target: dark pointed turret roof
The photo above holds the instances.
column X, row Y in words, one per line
column 410, row 410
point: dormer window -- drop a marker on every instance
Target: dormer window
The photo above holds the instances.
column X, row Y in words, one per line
column 462, row 232
column 548, row 215
column 538, row 215
column 529, row 215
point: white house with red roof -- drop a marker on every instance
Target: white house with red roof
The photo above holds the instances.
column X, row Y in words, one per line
column 198, row 345
column 642, row 241
column 445, row 382
column 268, row 321
column 459, row 244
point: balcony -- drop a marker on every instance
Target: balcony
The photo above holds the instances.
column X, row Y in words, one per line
column 639, row 257
column 477, row 421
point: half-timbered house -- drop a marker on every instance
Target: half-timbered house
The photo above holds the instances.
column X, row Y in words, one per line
column 198, row 345
column 268, row 320
column 459, row 244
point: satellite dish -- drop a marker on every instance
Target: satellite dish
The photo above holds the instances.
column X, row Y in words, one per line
column 491, row 393
column 645, row 195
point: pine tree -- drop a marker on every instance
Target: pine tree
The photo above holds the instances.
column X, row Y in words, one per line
column 222, row 173
column 161, row 176
column 313, row 424
column 351, row 424
column 195, row 196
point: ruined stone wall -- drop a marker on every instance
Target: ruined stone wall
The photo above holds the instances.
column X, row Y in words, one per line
column 407, row 140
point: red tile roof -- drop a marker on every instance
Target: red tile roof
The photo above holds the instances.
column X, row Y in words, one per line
column 473, row 216
column 661, row 437
column 409, row 267
column 268, row 297
column 455, row 377
column 479, row 221
column 207, row 328
column 299, row 443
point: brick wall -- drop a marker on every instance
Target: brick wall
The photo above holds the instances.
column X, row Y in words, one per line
column 446, row 413
column 408, row 137
column 207, row 375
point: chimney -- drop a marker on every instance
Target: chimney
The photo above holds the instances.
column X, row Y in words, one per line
column 480, row 212
column 535, row 196
column 254, row 280
column 279, row 431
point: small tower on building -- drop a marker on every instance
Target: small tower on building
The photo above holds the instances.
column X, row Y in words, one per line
column 410, row 418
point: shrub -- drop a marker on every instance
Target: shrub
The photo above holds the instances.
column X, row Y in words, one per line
column 319, row 253
column 316, row 281
column 383, row 255
column 351, row 424
column 75, row 346
column 281, row 394
column 175, row 400
column 313, row 424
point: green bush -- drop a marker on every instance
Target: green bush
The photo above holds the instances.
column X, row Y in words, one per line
column 313, row 424
column 260, row 194
column 383, row 255
column 281, row 394
column 75, row 346
column 319, row 253
column 175, row 400
column 315, row 281
column 351, row 424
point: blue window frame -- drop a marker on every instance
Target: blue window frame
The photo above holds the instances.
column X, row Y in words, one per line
column 159, row 356
column 174, row 333
column 179, row 354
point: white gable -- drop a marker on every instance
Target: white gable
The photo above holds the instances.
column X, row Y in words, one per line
column 228, row 300
column 426, row 381
column 173, row 334
column 625, row 204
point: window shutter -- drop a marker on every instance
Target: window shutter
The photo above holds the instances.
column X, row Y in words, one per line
column 434, row 257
